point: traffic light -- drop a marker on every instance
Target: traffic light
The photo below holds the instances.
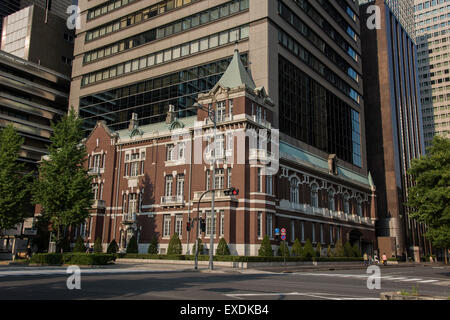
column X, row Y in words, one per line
column 231, row 192
column 188, row 226
column 202, row 225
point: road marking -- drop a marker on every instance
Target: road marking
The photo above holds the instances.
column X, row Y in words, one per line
column 409, row 280
column 325, row 296
column 428, row 281
column 83, row 271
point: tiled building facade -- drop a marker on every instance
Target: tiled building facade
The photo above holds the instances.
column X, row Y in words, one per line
column 148, row 179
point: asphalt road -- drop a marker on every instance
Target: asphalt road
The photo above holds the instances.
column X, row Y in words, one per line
column 182, row 283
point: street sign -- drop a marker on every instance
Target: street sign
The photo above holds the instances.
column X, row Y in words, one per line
column 283, row 237
column 277, row 231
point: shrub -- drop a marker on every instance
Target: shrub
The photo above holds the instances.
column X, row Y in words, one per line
column 174, row 245
column 308, row 250
column 297, row 248
column 153, row 247
column 348, row 250
column 200, row 247
column 132, row 245
column 79, row 245
column 329, row 252
column 318, row 250
column 64, row 244
column 98, row 245
column 283, row 250
column 47, row 258
column 266, row 249
column 112, row 247
column 339, row 249
column 356, row 251
column 88, row 259
column 222, row 248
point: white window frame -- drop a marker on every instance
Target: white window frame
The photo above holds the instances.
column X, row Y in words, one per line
column 166, row 226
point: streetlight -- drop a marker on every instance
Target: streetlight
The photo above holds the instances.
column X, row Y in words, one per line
column 212, row 117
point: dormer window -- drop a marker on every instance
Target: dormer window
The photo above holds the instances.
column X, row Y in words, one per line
column 220, row 111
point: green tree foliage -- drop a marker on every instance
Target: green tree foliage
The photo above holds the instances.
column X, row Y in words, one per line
column 308, row 250
column 318, row 250
column 174, row 245
column 63, row 188
column 283, row 250
column 339, row 249
column 200, row 247
column 429, row 198
column 297, row 248
column 98, row 245
column 153, row 247
column 132, row 246
column 14, row 184
column 266, row 248
column 329, row 252
column 79, row 245
column 112, row 247
column 356, row 250
column 348, row 250
column 222, row 248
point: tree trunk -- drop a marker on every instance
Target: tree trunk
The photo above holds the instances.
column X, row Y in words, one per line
column 445, row 255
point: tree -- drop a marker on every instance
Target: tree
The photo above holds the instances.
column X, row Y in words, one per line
column 132, row 245
column 429, row 198
column 308, row 250
column 329, row 252
column 266, row 248
column 200, row 247
column 356, row 250
column 348, row 250
column 339, row 249
column 63, row 188
column 153, row 247
column 79, row 245
column 112, row 247
column 98, row 248
column 174, row 245
column 318, row 250
column 283, row 250
column 13, row 182
column 297, row 248
column 222, row 248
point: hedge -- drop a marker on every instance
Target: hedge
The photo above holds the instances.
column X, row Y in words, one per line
column 72, row 258
column 237, row 258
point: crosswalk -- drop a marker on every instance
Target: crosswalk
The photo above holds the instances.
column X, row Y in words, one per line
column 395, row 278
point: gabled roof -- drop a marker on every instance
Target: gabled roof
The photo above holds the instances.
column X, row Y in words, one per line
column 236, row 75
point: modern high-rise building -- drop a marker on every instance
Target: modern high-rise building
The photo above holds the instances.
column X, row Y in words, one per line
column 133, row 60
column 433, row 45
column 132, row 57
column 403, row 10
column 394, row 127
column 22, row 36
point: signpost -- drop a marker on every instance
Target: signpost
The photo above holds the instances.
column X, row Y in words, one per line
column 283, row 237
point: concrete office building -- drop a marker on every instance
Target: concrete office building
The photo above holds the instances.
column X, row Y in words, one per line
column 433, row 45
column 403, row 10
column 394, row 128
column 139, row 57
column 23, row 36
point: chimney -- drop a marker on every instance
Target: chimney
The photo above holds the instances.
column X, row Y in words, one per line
column 171, row 114
column 133, row 122
column 332, row 164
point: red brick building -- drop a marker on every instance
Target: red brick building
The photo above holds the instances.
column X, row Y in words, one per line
column 147, row 180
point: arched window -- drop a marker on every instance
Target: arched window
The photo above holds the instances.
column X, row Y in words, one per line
column 294, row 190
column 314, row 195
column 359, row 207
column 346, row 204
column 95, row 190
column 331, row 202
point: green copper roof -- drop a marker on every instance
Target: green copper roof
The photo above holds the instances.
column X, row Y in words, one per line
column 160, row 127
column 236, row 75
column 288, row 151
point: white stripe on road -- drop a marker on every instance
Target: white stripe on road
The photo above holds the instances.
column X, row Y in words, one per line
column 409, row 280
column 83, row 271
column 428, row 281
column 311, row 295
